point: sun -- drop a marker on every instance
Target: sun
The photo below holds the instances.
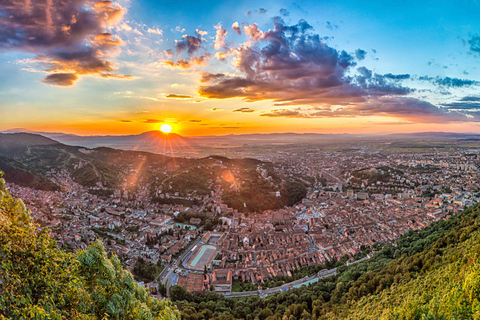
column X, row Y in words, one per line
column 166, row 128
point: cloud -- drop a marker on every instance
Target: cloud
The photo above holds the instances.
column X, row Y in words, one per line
column 474, row 43
column 236, row 28
column 155, row 31
column 471, row 98
column 409, row 109
column 194, row 121
column 125, row 121
column 331, row 26
column 67, row 37
column 244, row 110
column 284, row 12
column 215, row 109
column 187, row 64
column 462, row 105
column 259, row 11
column 360, row 54
column 397, row 76
column 152, row 121
column 455, row 82
column 450, row 82
column 285, row 113
column 220, row 37
column 291, row 65
column 253, row 32
column 177, row 96
column 61, row 79
column 190, row 44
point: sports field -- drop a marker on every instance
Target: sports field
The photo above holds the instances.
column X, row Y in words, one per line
column 202, row 257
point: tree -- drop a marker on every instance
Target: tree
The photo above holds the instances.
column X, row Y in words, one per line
column 41, row 281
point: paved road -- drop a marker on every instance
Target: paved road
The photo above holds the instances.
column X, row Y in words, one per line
column 164, row 276
column 287, row 286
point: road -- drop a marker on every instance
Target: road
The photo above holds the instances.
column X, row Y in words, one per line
column 320, row 275
column 164, row 276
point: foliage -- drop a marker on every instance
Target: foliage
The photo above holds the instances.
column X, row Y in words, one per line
column 146, row 271
column 40, row 281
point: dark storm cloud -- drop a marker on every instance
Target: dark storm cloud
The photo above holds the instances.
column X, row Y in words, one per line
column 67, row 37
column 360, row 54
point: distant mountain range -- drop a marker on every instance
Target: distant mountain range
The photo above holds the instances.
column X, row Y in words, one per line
column 169, row 143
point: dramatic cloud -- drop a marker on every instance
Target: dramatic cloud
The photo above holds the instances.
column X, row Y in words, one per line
column 360, row 54
column 69, row 38
column 293, row 66
column 244, row 110
column 220, row 37
column 177, row 96
column 409, row 109
column 236, row 28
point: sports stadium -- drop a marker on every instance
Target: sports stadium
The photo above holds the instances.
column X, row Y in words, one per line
column 202, row 256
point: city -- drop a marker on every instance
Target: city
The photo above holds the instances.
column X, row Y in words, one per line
column 354, row 200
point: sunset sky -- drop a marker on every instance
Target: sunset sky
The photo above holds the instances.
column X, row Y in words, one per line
column 231, row 67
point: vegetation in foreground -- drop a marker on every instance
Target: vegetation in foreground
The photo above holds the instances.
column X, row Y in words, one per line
column 40, row 281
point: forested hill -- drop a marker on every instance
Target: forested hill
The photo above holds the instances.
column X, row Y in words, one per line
column 40, row 281
column 433, row 273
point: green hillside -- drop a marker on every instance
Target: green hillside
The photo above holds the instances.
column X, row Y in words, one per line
column 40, row 281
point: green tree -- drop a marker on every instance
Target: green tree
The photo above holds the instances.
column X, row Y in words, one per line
column 41, row 281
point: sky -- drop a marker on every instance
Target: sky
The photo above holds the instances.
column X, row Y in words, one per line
column 234, row 67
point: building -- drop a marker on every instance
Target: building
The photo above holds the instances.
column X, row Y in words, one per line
column 222, row 280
